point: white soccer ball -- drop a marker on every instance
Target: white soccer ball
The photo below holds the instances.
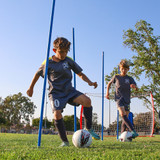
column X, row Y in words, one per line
column 126, row 136
column 82, row 138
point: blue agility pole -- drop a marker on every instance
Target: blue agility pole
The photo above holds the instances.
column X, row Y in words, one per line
column 117, row 124
column 118, row 116
column 102, row 95
column 75, row 111
column 45, row 76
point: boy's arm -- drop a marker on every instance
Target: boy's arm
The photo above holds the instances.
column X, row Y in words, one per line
column 133, row 84
column 86, row 79
column 34, row 80
column 134, row 87
column 108, row 87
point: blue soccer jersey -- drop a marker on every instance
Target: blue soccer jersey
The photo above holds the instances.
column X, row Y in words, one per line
column 122, row 84
column 60, row 76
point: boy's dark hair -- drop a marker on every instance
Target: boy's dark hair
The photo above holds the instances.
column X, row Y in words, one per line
column 124, row 64
column 61, row 43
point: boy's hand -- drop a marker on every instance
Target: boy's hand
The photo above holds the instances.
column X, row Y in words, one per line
column 93, row 84
column 134, row 86
column 107, row 96
column 30, row 92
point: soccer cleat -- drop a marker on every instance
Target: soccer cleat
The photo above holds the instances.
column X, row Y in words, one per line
column 94, row 135
column 64, row 144
column 134, row 134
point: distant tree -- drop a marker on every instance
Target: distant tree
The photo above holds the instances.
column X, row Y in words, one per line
column 2, row 119
column 69, row 123
column 35, row 122
column 156, row 127
column 145, row 62
column 143, row 120
column 17, row 109
column 113, row 126
column 94, row 119
column 147, row 58
column 95, row 123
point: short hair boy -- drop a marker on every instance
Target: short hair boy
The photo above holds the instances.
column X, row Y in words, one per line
column 61, row 91
column 123, row 84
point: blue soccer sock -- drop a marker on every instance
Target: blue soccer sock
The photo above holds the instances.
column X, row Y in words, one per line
column 87, row 111
column 61, row 129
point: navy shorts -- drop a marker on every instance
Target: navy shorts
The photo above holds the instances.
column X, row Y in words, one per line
column 60, row 103
column 122, row 103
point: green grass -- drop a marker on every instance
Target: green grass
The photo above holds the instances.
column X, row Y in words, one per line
column 24, row 147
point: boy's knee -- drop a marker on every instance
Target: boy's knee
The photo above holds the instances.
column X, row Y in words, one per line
column 57, row 115
column 87, row 102
column 122, row 111
column 123, row 114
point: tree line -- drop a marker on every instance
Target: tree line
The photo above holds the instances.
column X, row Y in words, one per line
column 17, row 110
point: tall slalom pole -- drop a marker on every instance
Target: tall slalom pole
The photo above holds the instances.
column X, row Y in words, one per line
column 45, row 77
column 118, row 115
column 102, row 95
column 75, row 111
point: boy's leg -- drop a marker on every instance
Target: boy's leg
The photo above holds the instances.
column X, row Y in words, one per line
column 59, row 123
column 87, row 110
column 123, row 127
column 127, row 121
column 57, row 106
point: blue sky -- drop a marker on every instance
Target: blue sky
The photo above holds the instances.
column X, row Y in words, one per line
column 98, row 24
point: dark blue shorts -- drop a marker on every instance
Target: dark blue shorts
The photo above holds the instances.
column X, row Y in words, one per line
column 60, row 103
column 122, row 103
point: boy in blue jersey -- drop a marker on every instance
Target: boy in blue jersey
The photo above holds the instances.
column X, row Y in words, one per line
column 61, row 91
column 123, row 84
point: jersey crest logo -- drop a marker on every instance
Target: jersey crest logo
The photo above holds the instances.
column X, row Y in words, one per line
column 65, row 65
column 126, row 80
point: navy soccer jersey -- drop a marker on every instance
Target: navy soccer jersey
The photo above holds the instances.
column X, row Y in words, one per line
column 122, row 93
column 60, row 76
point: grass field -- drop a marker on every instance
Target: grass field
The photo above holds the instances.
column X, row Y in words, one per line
column 24, row 147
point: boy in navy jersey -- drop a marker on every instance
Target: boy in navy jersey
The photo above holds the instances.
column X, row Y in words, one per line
column 61, row 91
column 123, row 84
